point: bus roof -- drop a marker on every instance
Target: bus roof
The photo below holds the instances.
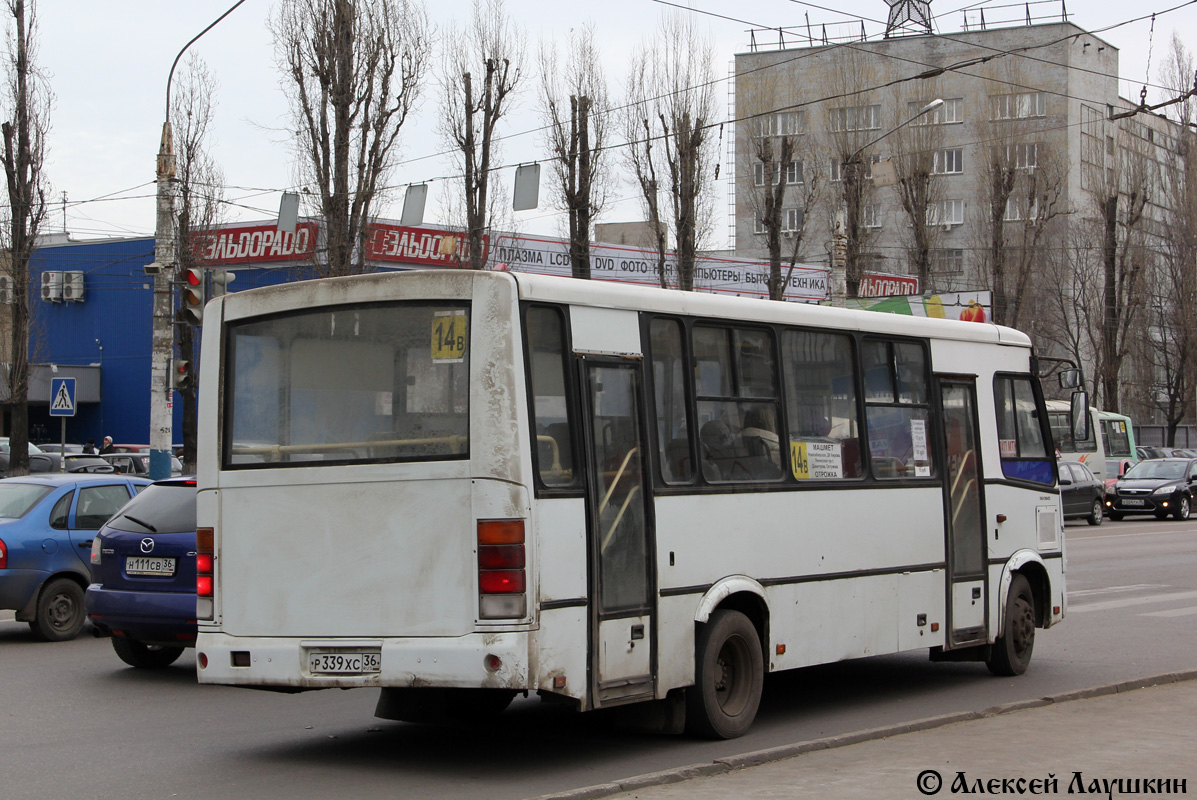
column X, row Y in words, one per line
column 553, row 288
column 610, row 294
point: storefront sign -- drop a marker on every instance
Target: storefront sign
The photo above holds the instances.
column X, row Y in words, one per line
column 397, row 244
column 253, row 244
column 876, row 284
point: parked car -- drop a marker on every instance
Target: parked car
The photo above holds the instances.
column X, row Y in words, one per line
column 138, row 463
column 57, row 447
column 1159, row 486
column 1145, row 452
column 1081, row 493
column 47, row 524
column 1183, row 452
column 82, row 462
column 143, row 576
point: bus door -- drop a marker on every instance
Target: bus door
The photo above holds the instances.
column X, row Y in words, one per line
column 965, row 514
column 619, row 531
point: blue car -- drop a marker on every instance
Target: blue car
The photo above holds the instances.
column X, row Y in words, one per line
column 143, row 576
column 47, row 524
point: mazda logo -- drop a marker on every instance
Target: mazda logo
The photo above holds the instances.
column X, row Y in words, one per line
column 147, row 545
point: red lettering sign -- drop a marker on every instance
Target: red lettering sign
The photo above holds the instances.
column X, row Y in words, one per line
column 254, row 244
column 427, row 246
column 877, row 285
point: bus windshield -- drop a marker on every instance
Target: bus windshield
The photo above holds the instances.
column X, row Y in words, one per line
column 348, row 384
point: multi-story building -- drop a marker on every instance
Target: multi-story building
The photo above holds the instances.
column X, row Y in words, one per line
column 1004, row 186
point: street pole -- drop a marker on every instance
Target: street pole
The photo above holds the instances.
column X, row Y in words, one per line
column 164, row 269
column 163, row 346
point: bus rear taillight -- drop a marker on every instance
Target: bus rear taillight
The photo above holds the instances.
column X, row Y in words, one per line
column 502, row 569
column 204, row 561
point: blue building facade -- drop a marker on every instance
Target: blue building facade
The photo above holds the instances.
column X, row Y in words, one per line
column 92, row 317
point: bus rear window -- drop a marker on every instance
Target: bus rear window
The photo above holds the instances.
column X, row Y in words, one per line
column 350, row 384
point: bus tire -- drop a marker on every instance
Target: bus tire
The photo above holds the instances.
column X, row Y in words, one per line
column 1183, row 508
column 729, row 676
column 1011, row 653
column 1096, row 513
column 145, row 656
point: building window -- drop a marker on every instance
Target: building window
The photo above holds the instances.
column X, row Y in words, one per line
column 782, row 123
column 950, row 113
column 758, row 222
column 949, row 162
column 856, row 118
column 837, row 169
column 791, row 220
column 946, row 212
column 947, row 261
column 870, row 215
column 1021, row 208
column 1017, row 106
column 793, row 173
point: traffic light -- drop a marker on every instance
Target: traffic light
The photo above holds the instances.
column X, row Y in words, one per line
column 181, row 374
column 194, row 295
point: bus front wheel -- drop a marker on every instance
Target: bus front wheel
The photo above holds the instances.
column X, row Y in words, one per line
column 1011, row 653
column 729, row 675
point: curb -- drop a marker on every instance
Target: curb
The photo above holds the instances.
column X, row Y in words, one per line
column 755, row 758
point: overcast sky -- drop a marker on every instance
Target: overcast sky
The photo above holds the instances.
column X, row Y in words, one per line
column 108, row 63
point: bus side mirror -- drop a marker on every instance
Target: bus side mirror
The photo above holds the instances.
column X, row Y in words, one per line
column 1079, row 416
column 1070, row 379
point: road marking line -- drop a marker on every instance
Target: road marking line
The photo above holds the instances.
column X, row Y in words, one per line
column 1131, row 601
column 1174, row 612
column 1137, row 587
column 1097, row 537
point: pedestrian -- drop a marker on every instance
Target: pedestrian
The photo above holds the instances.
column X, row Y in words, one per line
column 90, row 447
column 107, row 448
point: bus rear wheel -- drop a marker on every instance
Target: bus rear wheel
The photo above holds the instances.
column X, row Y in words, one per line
column 729, row 676
column 1011, row 653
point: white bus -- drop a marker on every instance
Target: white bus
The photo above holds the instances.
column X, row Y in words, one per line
column 1090, row 450
column 459, row 486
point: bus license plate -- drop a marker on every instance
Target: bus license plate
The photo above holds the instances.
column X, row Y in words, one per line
column 1131, row 501
column 345, row 663
column 147, row 565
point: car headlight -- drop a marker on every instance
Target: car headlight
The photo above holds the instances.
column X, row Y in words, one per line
column 1165, row 490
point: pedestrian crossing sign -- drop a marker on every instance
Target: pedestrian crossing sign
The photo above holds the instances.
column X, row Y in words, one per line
column 62, row 397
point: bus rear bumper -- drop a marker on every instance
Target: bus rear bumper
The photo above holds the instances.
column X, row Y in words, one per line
column 479, row 660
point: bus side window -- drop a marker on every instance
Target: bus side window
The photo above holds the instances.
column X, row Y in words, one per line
column 823, row 437
column 669, row 400
column 547, row 376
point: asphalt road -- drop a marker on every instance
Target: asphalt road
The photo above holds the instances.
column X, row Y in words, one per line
column 76, row 723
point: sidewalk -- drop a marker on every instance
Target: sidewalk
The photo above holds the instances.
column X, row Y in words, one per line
column 1142, row 729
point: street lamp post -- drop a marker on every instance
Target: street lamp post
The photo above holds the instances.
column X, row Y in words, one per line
column 846, row 235
column 163, row 269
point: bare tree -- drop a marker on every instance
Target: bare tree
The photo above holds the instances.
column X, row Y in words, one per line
column 25, row 127
column 353, row 71
column 1120, row 201
column 200, row 192
column 853, row 124
column 670, row 121
column 577, row 135
column 1171, row 343
column 921, row 164
column 1022, row 186
column 478, row 76
column 783, row 181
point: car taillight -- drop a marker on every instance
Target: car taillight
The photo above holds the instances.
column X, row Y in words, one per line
column 3, row 554
column 205, row 561
column 502, row 570
column 95, row 550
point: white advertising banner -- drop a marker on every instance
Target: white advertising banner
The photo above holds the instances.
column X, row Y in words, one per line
column 807, row 283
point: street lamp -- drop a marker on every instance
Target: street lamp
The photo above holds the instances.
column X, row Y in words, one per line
column 163, row 269
column 847, row 230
